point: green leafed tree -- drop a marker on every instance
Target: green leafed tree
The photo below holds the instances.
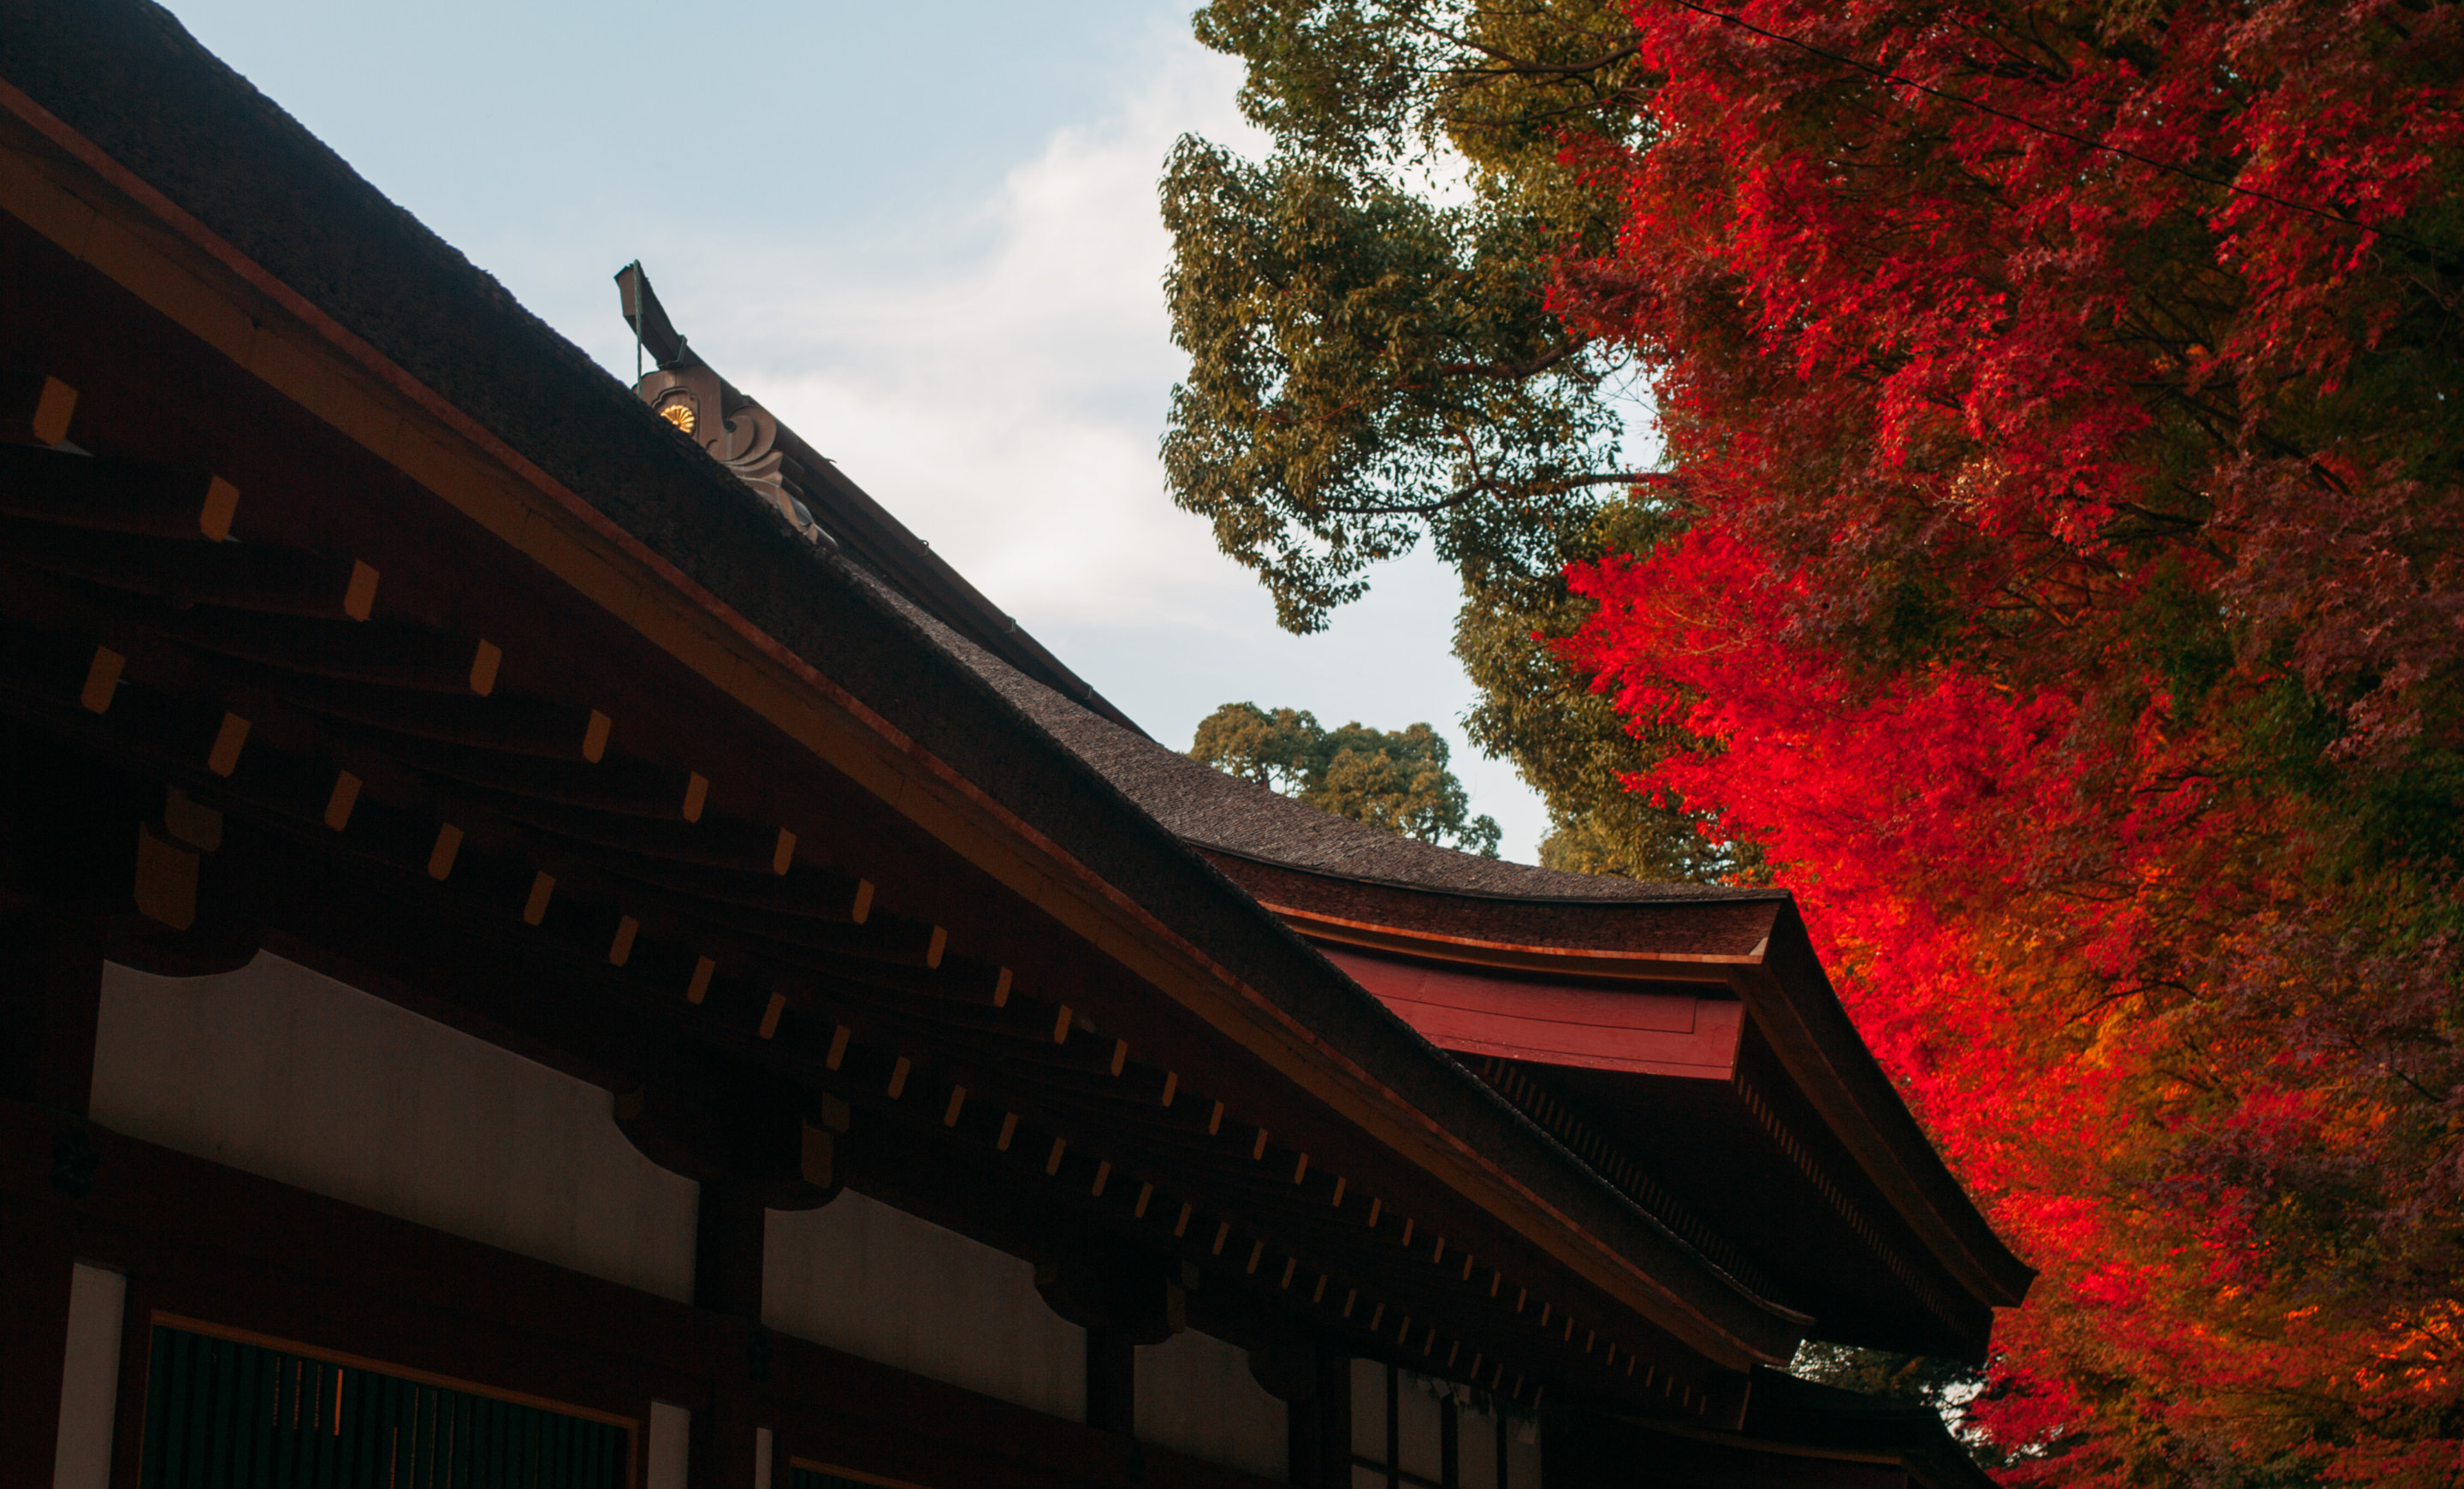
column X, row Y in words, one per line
column 1374, row 361
column 1373, row 357
column 1396, row 781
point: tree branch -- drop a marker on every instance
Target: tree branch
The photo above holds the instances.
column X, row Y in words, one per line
column 1529, row 368
column 1488, row 484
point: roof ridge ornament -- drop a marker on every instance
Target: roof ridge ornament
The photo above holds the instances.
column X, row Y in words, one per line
column 689, row 394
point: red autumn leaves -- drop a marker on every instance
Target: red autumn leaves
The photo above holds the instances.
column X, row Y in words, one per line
column 2071, row 606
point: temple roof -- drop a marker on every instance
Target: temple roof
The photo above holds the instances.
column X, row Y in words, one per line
column 997, row 802
column 1210, row 809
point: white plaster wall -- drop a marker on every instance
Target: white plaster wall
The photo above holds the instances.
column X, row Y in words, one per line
column 1475, row 1446
column 1369, row 1410
column 670, row 1450
column 1523, row 1455
column 859, row 1275
column 1420, row 1423
column 90, row 1379
column 1195, row 1395
column 285, row 1072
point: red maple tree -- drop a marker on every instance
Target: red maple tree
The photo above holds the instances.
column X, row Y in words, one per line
column 2066, row 407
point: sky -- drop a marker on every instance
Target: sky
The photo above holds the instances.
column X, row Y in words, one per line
column 926, row 238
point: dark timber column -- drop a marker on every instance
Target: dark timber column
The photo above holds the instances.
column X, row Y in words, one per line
column 1449, row 1445
column 51, row 992
column 1122, row 1300
column 727, row 1250
column 1303, row 1429
column 1393, row 1428
column 51, row 988
column 1111, row 1381
column 727, row 1280
column 1320, row 1423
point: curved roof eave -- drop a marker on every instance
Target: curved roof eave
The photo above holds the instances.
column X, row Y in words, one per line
column 1751, row 939
column 1778, row 976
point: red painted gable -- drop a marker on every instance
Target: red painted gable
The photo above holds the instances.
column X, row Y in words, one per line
column 1652, row 1034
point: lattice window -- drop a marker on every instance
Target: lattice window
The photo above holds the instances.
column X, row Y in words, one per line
column 222, row 1413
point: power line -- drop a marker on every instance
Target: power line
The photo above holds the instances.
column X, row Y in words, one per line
column 1903, row 80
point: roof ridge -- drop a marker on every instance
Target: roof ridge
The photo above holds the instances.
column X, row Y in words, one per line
column 1214, row 809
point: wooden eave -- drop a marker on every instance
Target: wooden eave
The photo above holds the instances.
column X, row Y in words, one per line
column 1795, row 1433
column 1752, row 948
column 474, row 542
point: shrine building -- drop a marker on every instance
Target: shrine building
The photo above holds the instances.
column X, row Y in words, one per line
column 547, row 940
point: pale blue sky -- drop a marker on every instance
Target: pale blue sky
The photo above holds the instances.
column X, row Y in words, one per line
column 927, row 237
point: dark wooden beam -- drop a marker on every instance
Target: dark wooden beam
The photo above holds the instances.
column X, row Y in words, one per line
column 620, row 785
column 727, row 1248
column 506, row 722
column 1111, row 1382
column 1322, row 1444
column 37, row 1251
column 385, row 653
column 718, row 841
column 262, row 579
column 57, row 487
column 51, row 991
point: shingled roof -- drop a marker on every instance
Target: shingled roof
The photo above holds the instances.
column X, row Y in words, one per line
column 1209, row 809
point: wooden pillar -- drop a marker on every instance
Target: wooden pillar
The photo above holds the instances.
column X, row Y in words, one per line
column 51, row 990
column 1393, row 1428
column 1111, row 1382
column 36, row 1259
column 1449, row 1445
column 727, row 1249
column 1320, row 1425
column 727, row 1280
column 1304, row 1424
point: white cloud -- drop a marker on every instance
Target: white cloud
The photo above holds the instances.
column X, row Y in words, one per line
column 1006, row 403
